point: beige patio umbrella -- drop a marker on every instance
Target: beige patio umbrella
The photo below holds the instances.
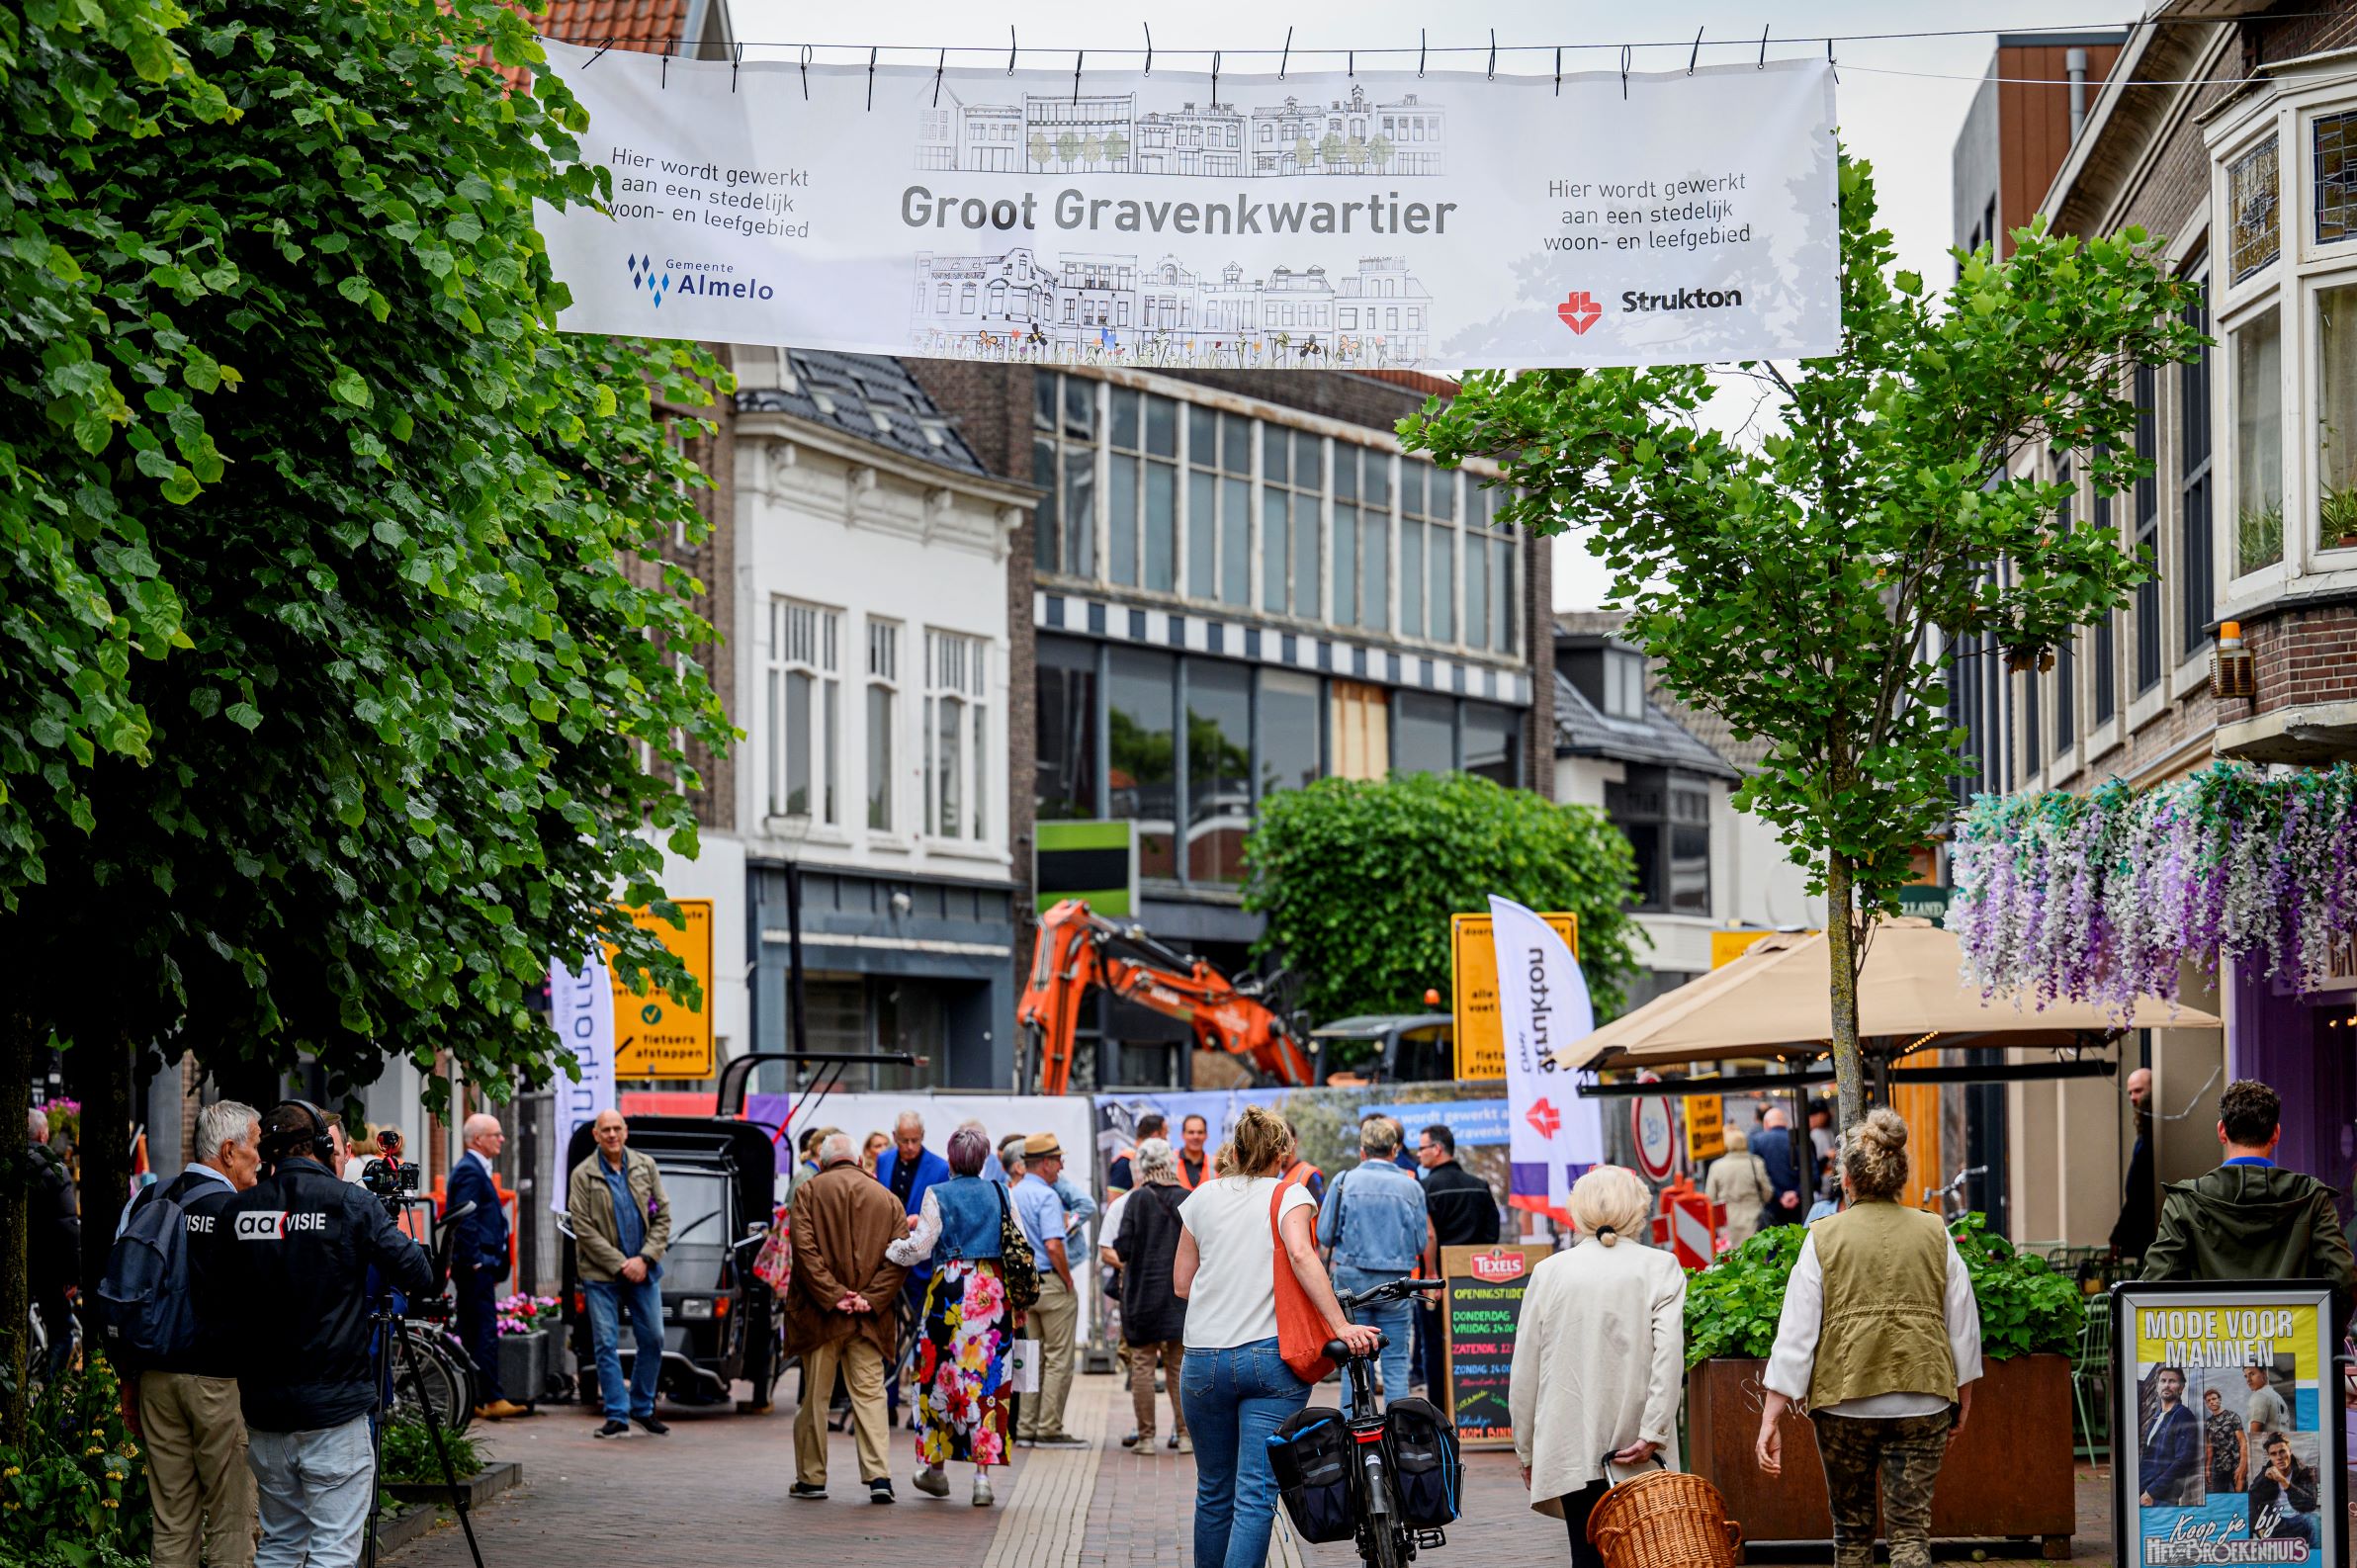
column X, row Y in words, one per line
column 1777, row 1001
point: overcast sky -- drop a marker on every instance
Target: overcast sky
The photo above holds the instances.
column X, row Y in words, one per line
column 1900, row 101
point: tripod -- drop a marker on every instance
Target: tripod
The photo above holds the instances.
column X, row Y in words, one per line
column 392, row 1344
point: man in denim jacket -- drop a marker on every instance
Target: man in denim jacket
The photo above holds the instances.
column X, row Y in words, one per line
column 1372, row 1226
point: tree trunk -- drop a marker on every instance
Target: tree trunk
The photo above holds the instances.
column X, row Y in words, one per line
column 1842, row 939
column 16, row 1295
column 101, row 1073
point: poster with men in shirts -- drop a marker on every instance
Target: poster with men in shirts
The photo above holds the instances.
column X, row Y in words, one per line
column 2238, row 1452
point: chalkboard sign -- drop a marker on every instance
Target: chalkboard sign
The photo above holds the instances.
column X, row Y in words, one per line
column 1480, row 1313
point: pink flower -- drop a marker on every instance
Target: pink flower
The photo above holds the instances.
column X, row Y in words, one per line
column 985, row 1299
column 990, row 1446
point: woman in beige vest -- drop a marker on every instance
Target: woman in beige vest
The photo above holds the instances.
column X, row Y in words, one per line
column 1738, row 1183
column 1880, row 1336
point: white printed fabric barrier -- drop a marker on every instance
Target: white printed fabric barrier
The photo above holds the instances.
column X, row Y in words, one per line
column 1316, row 220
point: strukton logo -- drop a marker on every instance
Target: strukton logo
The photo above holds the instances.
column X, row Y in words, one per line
column 1545, row 1118
column 1580, row 310
column 642, row 275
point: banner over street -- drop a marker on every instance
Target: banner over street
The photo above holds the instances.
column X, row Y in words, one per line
column 1315, row 220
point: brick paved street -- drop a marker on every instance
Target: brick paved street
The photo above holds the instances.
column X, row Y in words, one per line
column 711, row 1494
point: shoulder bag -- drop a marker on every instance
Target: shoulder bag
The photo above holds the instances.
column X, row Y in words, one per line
column 1016, row 1266
column 1301, row 1329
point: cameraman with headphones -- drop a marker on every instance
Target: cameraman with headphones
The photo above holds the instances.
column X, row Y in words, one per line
column 296, row 1263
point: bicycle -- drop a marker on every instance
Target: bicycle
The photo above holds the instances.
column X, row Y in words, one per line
column 1382, row 1541
column 1940, row 1195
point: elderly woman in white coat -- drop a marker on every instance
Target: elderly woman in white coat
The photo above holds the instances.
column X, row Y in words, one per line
column 1600, row 1356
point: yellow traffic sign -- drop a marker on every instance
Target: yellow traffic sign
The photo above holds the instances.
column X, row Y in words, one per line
column 1473, row 981
column 1706, row 1127
column 656, row 1036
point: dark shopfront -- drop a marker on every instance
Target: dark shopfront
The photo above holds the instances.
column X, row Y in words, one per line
column 916, row 964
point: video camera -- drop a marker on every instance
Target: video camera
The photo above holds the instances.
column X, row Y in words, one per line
column 390, row 1180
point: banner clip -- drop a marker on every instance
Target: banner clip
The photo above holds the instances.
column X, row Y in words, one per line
column 1286, row 56
column 601, row 51
column 736, row 64
column 1149, row 26
column 1077, row 57
column 1624, row 73
column 665, row 84
column 1558, row 70
column 871, row 81
column 806, row 58
column 1697, row 53
column 1419, row 41
column 940, row 67
column 1493, row 75
column 1011, row 49
column 1764, row 47
column 1215, row 77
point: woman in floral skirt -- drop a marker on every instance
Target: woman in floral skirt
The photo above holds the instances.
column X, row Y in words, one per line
column 961, row 1363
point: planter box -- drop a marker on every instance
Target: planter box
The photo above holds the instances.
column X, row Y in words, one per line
column 2010, row 1476
column 486, row 1484
column 524, row 1365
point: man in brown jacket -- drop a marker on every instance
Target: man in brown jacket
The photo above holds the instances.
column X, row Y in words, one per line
column 840, row 1310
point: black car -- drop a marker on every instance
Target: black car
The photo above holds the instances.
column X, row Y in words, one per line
column 721, row 1323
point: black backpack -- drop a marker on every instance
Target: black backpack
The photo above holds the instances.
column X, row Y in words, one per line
column 1310, row 1455
column 1425, row 1461
column 145, row 1297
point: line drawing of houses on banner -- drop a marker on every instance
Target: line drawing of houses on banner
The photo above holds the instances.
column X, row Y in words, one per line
column 1104, row 133
column 1090, row 308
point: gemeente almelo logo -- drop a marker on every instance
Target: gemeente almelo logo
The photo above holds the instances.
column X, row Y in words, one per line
column 644, row 275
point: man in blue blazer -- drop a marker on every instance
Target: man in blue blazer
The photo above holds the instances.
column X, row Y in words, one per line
column 478, row 1260
column 910, row 1168
column 2171, row 1447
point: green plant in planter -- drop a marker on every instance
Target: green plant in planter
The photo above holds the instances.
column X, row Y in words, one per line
column 74, row 1496
column 2026, row 1307
column 2258, row 537
column 409, row 1457
column 2337, row 516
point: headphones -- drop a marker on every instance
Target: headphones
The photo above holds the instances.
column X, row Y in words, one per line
column 277, row 1145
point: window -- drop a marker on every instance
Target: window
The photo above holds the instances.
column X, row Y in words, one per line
column 957, row 737
column 2336, row 178
column 2258, row 441
column 2255, row 237
column 1362, row 537
column 1361, row 731
column 1489, row 573
column 1142, row 491
column 804, row 709
column 1624, row 684
column 2336, row 415
column 1288, row 720
column 1064, row 784
column 2147, row 533
column 883, row 720
column 2065, row 658
column 1064, row 464
column 2106, row 650
column 1666, row 817
column 1218, row 768
column 2197, row 566
column 1423, row 733
column 1493, row 743
column 1427, row 550
column 1292, row 480
column 1142, row 779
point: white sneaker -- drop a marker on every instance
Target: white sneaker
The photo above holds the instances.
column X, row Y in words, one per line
column 931, row 1481
column 981, row 1489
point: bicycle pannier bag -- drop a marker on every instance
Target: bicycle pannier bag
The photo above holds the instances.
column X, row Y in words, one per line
column 1310, row 1455
column 1425, row 1462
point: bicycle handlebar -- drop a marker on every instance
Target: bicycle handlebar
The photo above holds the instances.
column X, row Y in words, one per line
column 1385, row 1294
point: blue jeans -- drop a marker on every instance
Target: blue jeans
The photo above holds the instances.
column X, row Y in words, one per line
column 1235, row 1399
column 314, row 1490
column 1397, row 1321
column 608, row 1302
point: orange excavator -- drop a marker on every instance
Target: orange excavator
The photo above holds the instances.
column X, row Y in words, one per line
column 1078, row 952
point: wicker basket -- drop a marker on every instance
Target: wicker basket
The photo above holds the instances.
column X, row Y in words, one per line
column 1665, row 1519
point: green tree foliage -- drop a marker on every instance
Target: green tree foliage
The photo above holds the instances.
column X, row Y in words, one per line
column 1807, row 586
column 1359, row 879
column 425, row 644
column 2026, row 1307
column 72, row 1493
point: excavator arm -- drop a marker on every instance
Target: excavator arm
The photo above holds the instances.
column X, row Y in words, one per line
column 1078, row 951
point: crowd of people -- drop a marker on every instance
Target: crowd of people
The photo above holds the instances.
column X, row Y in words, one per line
column 984, row 1244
